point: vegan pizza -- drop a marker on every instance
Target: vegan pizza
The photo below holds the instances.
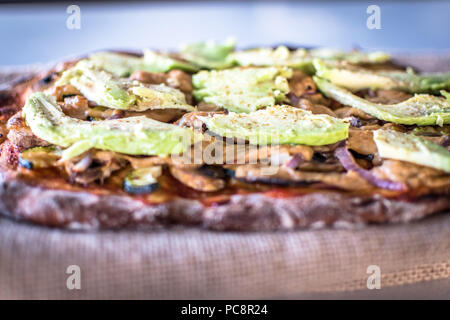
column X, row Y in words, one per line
column 226, row 139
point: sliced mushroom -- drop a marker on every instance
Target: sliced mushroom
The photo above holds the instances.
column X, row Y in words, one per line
column 149, row 77
column 284, row 175
column 93, row 166
column 389, row 96
column 346, row 112
column 195, row 179
column 60, row 92
column 301, row 84
column 314, row 108
column 361, row 141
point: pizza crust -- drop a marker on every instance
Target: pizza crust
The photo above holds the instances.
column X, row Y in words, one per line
column 254, row 212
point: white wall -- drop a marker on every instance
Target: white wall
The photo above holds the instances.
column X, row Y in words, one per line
column 38, row 33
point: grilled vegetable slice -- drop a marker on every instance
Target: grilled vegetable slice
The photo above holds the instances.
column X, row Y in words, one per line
column 279, row 125
column 39, row 157
column 354, row 79
column 121, row 65
column 118, row 93
column 279, row 57
column 422, row 109
column 411, row 148
column 242, row 90
column 301, row 58
column 163, row 62
column 209, row 54
column 354, row 57
column 143, row 180
column 134, row 135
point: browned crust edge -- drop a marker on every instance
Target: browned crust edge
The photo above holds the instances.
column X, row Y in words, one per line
column 253, row 212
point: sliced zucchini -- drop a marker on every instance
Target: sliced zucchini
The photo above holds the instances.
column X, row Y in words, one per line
column 39, row 157
column 354, row 78
column 143, row 180
column 119, row 64
column 123, row 65
column 209, row 54
column 119, row 93
column 422, row 109
column 268, row 57
column 411, row 148
column 163, row 62
column 134, row 135
column 354, row 57
column 279, row 125
column 242, row 89
column 301, row 58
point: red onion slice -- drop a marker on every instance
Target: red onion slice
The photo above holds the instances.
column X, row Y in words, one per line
column 293, row 98
column 295, row 161
column 445, row 142
column 348, row 162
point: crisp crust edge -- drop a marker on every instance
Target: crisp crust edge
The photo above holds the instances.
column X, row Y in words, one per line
column 252, row 212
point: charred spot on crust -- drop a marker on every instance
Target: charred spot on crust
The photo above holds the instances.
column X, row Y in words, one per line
column 47, row 79
column 6, row 98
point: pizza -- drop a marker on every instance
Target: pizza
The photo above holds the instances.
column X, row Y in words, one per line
column 226, row 139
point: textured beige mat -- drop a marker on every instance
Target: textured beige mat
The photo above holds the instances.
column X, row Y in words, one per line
column 194, row 263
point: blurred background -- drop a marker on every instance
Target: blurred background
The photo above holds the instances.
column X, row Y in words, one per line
column 33, row 32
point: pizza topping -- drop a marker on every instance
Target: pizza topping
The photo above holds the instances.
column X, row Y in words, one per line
column 242, row 89
column 387, row 96
column 279, row 57
column 177, row 79
column 289, row 177
column 354, row 57
column 119, row 64
column 347, row 160
column 163, row 62
column 306, row 104
column 92, row 166
column 411, row 148
column 209, row 54
column 149, row 77
column 143, row 180
column 347, row 112
column 354, row 78
column 39, row 157
column 361, row 141
column 422, row 109
column 415, row 176
column 302, row 59
column 123, row 65
column 105, row 89
column 134, row 135
column 300, row 84
column 278, row 125
column 197, row 180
